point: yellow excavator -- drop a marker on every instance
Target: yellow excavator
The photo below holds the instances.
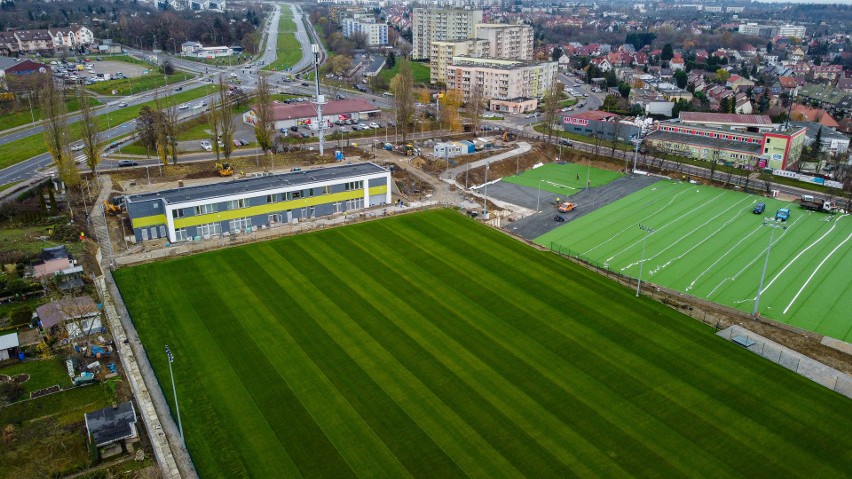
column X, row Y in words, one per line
column 224, row 169
column 509, row 136
column 111, row 208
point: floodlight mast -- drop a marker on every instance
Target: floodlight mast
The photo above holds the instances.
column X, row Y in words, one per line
column 320, row 100
column 171, row 359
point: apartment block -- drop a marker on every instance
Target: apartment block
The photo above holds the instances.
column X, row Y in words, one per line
column 507, row 41
column 377, row 33
column 442, row 54
column 501, row 79
column 429, row 25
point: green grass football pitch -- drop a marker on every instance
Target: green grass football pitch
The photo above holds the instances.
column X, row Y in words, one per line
column 566, row 179
column 708, row 243
column 428, row 345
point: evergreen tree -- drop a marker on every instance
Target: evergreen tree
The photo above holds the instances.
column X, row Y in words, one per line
column 668, row 52
column 391, row 60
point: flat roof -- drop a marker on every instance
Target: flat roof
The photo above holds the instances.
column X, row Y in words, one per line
column 703, row 141
column 593, row 115
column 257, row 184
column 284, row 111
column 730, row 118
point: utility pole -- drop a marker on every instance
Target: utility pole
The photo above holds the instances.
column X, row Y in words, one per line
column 174, row 390
column 648, row 232
column 774, row 225
column 320, row 100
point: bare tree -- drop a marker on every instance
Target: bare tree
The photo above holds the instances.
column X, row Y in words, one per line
column 263, row 123
column 215, row 121
column 550, row 103
column 161, row 131
column 226, row 121
column 616, row 132
column 402, row 87
column 475, row 105
column 55, row 125
column 89, row 130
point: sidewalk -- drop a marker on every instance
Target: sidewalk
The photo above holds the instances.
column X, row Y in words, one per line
column 171, row 455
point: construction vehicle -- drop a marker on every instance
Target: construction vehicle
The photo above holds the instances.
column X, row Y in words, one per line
column 113, row 208
column 808, row 202
column 224, row 169
column 566, row 207
column 509, row 136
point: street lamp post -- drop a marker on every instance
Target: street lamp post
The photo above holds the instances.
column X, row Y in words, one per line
column 320, row 100
column 538, row 198
column 174, row 390
column 648, row 232
column 773, row 224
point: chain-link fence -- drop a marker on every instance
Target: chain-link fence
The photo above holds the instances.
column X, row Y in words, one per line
column 792, row 360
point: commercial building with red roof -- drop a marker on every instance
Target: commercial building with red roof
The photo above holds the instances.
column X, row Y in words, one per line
column 299, row 114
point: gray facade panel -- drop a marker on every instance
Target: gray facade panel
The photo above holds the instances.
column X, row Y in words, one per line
column 377, row 182
column 145, row 208
column 377, row 200
column 605, row 130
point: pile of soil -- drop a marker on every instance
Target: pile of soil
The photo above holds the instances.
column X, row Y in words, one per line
column 4, row 378
column 21, row 378
column 45, row 391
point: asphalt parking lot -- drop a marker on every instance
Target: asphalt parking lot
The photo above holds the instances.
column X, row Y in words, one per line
column 587, row 201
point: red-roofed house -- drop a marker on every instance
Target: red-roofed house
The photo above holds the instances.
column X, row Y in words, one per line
column 817, row 115
column 299, row 114
column 640, row 58
column 677, row 63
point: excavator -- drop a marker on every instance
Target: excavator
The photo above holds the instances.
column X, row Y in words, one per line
column 224, row 169
column 112, row 208
column 509, row 136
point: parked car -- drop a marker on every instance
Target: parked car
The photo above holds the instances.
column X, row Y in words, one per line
column 127, row 163
column 374, row 125
column 564, row 142
column 759, row 208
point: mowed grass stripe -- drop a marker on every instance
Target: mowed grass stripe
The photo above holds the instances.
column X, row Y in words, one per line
column 436, row 419
column 206, row 398
column 516, row 320
column 305, row 442
column 610, row 426
column 410, row 445
column 340, row 423
column 394, row 308
column 513, row 441
column 590, row 319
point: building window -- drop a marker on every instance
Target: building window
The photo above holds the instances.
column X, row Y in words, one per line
column 209, row 229
column 296, row 194
column 205, row 209
column 237, row 204
column 354, row 185
column 177, row 213
column 180, row 234
column 271, row 198
column 239, row 224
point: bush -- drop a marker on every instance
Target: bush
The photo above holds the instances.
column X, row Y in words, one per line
column 21, row 315
column 10, row 392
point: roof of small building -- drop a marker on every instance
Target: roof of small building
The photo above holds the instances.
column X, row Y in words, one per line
column 715, row 143
column 257, row 184
column 725, row 118
column 56, row 312
column 8, row 341
column 54, row 252
column 111, row 423
column 596, row 115
column 283, row 111
column 814, row 114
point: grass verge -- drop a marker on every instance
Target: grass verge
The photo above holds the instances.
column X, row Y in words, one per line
column 287, row 47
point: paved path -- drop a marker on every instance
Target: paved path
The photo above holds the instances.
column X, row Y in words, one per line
column 171, row 455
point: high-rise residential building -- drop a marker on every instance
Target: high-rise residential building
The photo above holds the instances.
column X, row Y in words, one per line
column 507, row 41
column 442, row 55
column 377, row 33
column 509, row 80
column 795, row 31
column 429, row 25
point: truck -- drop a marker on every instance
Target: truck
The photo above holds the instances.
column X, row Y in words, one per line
column 808, row 202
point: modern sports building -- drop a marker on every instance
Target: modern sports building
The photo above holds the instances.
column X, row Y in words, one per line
column 243, row 205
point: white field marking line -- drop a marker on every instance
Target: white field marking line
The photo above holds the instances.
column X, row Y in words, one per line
column 558, row 185
column 674, row 220
column 720, row 258
column 696, row 245
column 750, row 263
column 687, row 234
column 800, row 254
column 616, row 235
column 816, row 271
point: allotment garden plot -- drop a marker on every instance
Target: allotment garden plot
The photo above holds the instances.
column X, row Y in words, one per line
column 563, row 178
column 428, row 345
column 709, row 243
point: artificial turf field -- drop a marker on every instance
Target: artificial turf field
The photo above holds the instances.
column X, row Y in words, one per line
column 562, row 178
column 710, row 244
column 429, row 345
